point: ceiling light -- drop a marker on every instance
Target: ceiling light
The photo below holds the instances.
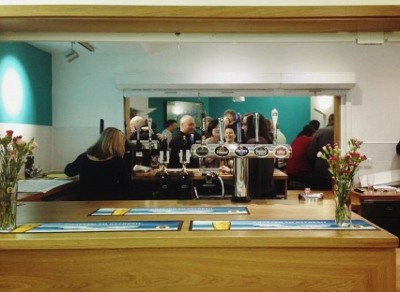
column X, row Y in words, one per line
column 238, row 99
column 71, row 54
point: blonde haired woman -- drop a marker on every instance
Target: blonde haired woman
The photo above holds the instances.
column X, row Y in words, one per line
column 103, row 173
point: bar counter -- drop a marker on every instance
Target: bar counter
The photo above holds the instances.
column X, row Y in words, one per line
column 273, row 260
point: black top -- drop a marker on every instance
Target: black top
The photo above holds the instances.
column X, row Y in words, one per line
column 398, row 148
column 261, row 172
column 100, row 180
column 176, row 146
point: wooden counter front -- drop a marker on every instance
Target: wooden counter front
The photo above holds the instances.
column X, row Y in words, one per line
column 279, row 260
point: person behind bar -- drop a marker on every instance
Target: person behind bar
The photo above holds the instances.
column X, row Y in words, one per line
column 187, row 129
column 261, row 170
column 103, row 173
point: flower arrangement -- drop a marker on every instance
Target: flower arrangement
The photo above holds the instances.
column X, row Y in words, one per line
column 343, row 169
column 13, row 152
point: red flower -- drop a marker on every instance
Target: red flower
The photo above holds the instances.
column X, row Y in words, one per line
column 10, row 133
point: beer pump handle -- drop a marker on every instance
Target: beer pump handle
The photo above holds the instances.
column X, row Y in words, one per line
column 238, row 128
column 203, row 128
column 221, row 126
column 184, row 146
column 138, row 127
column 256, row 126
column 274, row 116
column 149, row 124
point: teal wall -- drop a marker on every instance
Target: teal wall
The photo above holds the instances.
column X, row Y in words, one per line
column 159, row 116
column 27, row 72
column 294, row 111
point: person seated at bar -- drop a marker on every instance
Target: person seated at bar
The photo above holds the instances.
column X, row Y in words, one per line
column 103, row 173
column 322, row 178
column 230, row 141
column 299, row 167
column 170, row 127
column 184, row 138
column 261, row 170
column 212, row 137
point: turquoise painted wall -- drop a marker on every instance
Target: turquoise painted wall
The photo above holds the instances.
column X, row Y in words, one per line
column 294, row 112
column 26, row 74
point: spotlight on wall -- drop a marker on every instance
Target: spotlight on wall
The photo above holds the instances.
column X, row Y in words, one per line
column 238, row 99
column 87, row 46
column 71, row 54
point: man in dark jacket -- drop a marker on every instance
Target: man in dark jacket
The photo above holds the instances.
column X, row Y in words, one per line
column 184, row 139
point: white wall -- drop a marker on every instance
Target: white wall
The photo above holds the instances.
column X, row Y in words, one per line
column 84, row 90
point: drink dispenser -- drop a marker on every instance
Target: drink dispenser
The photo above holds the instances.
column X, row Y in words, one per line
column 241, row 154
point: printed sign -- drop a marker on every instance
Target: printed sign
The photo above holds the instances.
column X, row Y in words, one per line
column 99, row 226
column 169, row 211
column 276, row 225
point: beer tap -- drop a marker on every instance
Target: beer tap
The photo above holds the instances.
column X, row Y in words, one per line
column 163, row 173
column 241, row 169
column 154, row 159
column 203, row 139
column 256, row 126
column 138, row 150
column 274, row 116
column 184, row 184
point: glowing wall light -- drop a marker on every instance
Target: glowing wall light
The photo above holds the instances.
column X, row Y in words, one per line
column 12, row 91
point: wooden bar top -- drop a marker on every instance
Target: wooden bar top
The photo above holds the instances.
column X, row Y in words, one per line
column 76, row 211
column 234, row 260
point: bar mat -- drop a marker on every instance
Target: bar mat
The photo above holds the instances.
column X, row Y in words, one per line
column 277, row 225
column 99, row 226
column 170, row 211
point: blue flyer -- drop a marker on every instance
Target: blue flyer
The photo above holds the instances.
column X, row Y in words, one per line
column 277, row 225
column 99, row 226
column 170, row 211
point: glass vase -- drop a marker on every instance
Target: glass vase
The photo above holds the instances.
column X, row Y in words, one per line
column 8, row 208
column 342, row 189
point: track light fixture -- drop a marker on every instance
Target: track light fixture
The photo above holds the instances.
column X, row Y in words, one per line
column 71, row 54
column 87, row 46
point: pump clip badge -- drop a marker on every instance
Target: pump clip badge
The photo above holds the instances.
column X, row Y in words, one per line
column 221, row 151
column 261, row 151
column 281, row 151
column 202, row 151
column 241, row 151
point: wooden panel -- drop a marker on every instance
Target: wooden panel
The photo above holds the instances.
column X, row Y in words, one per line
column 81, row 18
column 200, row 269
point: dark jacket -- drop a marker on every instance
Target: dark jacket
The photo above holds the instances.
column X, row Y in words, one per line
column 100, row 180
column 176, row 146
column 261, row 172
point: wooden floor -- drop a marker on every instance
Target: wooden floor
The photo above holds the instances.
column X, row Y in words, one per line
column 398, row 270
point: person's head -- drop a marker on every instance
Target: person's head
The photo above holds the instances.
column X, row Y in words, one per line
column 187, row 124
column 315, row 124
column 208, row 120
column 264, row 128
column 137, row 120
column 229, row 117
column 213, row 129
column 308, row 131
column 170, row 125
column 111, row 143
column 330, row 120
column 230, row 135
